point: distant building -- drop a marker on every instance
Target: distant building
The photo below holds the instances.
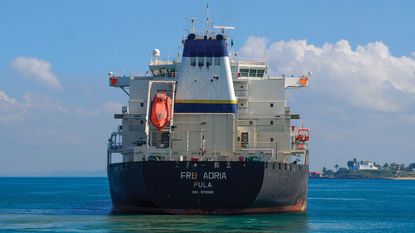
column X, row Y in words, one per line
column 366, row 165
column 315, row 174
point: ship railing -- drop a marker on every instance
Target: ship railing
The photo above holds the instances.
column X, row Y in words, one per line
column 299, row 157
column 247, row 61
column 165, row 75
column 158, row 153
column 261, row 145
column 266, row 144
column 261, row 152
column 114, row 141
column 164, row 61
column 115, row 148
column 112, row 148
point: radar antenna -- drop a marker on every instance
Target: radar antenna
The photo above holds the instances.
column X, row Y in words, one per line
column 224, row 29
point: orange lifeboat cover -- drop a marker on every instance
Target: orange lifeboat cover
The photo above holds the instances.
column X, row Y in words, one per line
column 161, row 110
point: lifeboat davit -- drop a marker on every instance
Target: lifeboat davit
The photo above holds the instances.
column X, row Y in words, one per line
column 161, row 110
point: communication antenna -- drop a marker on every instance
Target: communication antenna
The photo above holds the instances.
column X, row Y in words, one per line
column 178, row 39
column 192, row 20
column 207, row 19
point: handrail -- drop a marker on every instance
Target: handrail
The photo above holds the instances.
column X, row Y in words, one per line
column 248, row 61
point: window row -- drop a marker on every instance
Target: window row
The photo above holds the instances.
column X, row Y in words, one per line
column 201, row 61
column 252, row 72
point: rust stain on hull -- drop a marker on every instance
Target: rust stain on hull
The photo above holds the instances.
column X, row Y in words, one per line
column 251, row 188
column 299, row 207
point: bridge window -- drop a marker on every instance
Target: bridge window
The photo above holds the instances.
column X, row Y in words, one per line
column 217, row 59
column 209, row 59
column 201, row 59
column 260, row 73
column 252, row 72
column 192, row 58
column 244, row 72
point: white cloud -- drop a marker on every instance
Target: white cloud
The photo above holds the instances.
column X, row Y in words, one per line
column 41, row 106
column 368, row 77
column 6, row 101
column 10, row 109
column 45, row 104
column 255, row 47
column 36, row 69
column 361, row 100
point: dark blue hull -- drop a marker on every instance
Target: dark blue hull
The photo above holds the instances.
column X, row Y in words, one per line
column 207, row 187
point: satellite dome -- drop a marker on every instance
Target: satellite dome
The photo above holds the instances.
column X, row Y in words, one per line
column 156, row 52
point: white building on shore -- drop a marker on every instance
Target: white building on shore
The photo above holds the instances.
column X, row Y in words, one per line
column 366, row 165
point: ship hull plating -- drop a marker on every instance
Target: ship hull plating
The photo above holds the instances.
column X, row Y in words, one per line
column 169, row 187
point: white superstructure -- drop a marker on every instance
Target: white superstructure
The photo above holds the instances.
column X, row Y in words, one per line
column 224, row 109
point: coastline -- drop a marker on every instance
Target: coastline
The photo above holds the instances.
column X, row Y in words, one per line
column 400, row 178
column 365, row 178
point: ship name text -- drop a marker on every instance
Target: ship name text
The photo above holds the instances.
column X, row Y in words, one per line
column 206, row 176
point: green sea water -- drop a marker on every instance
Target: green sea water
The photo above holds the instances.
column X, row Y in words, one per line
column 84, row 205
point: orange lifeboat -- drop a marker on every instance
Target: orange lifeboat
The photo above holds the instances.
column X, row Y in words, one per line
column 161, row 110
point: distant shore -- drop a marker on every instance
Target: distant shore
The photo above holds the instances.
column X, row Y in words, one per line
column 400, row 178
column 385, row 172
column 364, row 178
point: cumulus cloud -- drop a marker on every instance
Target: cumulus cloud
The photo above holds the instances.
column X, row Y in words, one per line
column 255, row 47
column 36, row 69
column 368, row 76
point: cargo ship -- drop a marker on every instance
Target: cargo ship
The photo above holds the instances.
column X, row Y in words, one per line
column 208, row 133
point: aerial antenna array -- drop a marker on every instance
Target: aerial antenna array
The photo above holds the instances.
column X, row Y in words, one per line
column 223, row 29
column 207, row 19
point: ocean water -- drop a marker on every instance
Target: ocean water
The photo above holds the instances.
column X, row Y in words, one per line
column 83, row 205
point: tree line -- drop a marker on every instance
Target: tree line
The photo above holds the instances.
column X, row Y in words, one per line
column 387, row 169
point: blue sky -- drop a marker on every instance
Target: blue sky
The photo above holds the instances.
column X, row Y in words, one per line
column 58, row 117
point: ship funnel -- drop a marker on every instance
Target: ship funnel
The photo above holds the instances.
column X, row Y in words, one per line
column 205, row 79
